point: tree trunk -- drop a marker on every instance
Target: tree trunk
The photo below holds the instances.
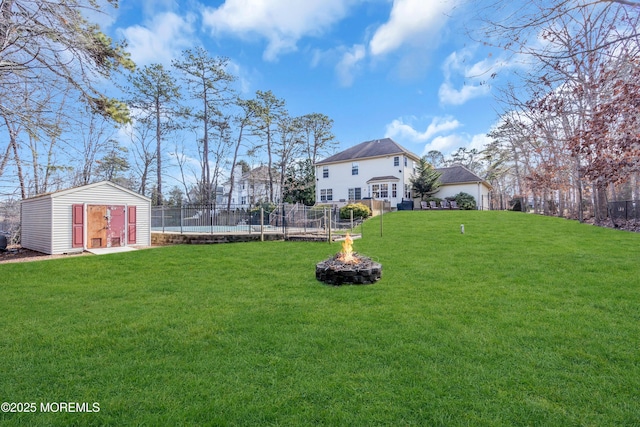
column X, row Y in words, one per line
column 159, row 200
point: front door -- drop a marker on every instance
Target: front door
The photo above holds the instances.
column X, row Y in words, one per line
column 116, row 226
column 105, row 226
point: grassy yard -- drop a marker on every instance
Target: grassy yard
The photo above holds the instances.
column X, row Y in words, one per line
column 523, row 320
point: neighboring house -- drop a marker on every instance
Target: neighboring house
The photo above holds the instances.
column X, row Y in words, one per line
column 252, row 187
column 381, row 169
column 99, row 215
column 378, row 169
column 457, row 178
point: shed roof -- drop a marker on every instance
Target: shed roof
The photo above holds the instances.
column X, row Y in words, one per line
column 87, row 187
column 369, row 149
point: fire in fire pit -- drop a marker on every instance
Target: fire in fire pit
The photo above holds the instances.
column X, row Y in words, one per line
column 348, row 267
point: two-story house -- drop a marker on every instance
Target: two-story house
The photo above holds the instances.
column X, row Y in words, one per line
column 382, row 169
column 378, row 169
column 252, row 187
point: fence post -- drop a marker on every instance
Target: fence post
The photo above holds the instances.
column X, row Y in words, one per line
column 162, row 217
column 181, row 218
column 261, row 224
column 284, row 215
column 351, row 217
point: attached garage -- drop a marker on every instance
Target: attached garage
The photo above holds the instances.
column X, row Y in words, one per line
column 100, row 215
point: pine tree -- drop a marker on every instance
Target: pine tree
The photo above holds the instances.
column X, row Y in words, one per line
column 426, row 180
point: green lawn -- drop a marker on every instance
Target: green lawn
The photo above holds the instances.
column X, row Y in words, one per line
column 523, row 320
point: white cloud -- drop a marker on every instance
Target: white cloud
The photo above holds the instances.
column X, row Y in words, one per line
column 281, row 22
column 348, row 65
column 160, row 40
column 452, row 96
column 411, row 22
column 445, row 144
column 465, row 79
column 438, row 135
column 450, row 143
column 479, row 142
column 457, row 66
column 401, row 130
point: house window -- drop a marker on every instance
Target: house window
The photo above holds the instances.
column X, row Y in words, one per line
column 384, row 191
column 325, row 172
column 326, row 195
column 407, row 192
column 355, row 193
column 243, row 201
column 375, row 191
column 394, row 190
column 405, row 162
column 396, row 161
column 354, row 168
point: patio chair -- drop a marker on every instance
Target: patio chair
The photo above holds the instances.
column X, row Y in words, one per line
column 423, row 205
column 433, row 205
column 445, row 204
column 454, row 204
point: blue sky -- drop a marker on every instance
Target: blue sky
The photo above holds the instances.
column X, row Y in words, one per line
column 403, row 69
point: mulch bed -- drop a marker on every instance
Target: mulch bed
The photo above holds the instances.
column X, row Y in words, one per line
column 17, row 253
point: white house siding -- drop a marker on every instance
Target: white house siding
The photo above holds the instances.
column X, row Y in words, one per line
column 341, row 178
column 252, row 187
column 35, row 224
column 478, row 190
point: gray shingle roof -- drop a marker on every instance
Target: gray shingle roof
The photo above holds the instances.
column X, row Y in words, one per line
column 368, row 149
column 457, row 174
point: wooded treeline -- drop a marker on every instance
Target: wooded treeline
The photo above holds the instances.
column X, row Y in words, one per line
column 569, row 138
column 74, row 109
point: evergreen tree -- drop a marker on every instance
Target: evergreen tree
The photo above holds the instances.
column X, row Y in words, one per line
column 426, row 180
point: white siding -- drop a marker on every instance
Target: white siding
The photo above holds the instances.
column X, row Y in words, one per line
column 46, row 220
column 97, row 195
column 477, row 190
column 341, row 179
column 35, row 224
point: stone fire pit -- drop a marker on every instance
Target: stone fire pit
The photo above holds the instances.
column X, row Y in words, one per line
column 348, row 267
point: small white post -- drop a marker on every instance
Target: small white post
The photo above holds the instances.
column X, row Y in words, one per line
column 461, row 228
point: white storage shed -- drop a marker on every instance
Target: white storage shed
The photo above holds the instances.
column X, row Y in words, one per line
column 99, row 215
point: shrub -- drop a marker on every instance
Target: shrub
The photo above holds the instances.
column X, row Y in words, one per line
column 465, row 201
column 360, row 211
column 268, row 207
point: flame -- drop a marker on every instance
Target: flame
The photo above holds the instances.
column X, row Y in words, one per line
column 346, row 255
